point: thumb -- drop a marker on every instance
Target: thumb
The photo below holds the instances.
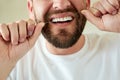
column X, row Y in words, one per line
column 97, row 21
column 36, row 33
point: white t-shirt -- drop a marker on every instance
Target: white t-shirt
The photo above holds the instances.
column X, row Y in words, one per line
column 99, row 59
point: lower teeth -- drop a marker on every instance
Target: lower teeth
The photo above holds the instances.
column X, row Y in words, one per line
column 62, row 22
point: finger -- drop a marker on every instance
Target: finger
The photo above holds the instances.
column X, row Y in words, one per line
column 100, row 8
column 30, row 27
column 114, row 3
column 95, row 12
column 108, row 7
column 97, row 21
column 22, row 31
column 4, row 32
column 14, row 33
column 36, row 34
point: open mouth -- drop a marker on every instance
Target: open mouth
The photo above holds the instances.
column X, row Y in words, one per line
column 62, row 19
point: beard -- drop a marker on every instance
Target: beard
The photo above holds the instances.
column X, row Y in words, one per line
column 64, row 38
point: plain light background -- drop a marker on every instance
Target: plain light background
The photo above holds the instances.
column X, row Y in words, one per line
column 15, row 10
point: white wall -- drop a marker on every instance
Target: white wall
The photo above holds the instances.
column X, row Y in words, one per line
column 13, row 10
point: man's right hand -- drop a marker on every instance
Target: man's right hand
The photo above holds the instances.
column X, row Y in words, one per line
column 16, row 39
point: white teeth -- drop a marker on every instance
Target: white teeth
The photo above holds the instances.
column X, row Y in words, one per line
column 62, row 19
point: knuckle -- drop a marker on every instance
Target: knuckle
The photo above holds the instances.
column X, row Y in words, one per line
column 107, row 6
column 22, row 22
column 31, row 25
column 95, row 4
column 113, row 2
column 102, row 9
column 12, row 24
column 2, row 26
column 4, row 32
column 101, row 2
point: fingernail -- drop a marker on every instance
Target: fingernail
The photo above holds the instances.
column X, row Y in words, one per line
column 22, row 40
column 31, row 22
column 7, row 39
column 114, row 12
column 15, row 43
column 117, row 7
column 93, row 10
column 30, row 33
column 83, row 12
column 41, row 24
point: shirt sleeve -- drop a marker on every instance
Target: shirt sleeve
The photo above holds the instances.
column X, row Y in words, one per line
column 12, row 75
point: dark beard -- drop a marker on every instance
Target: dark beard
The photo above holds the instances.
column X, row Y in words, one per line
column 65, row 39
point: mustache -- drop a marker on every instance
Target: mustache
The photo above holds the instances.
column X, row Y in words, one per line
column 49, row 13
column 68, row 9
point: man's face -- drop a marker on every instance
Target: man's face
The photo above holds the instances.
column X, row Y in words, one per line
column 64, row 22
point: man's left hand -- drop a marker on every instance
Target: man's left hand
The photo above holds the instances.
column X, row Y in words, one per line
column 105, row 14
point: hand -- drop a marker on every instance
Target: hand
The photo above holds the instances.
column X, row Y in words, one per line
column 105, row 14
column 15, row 41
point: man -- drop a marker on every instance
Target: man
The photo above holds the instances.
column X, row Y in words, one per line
column 62, row 52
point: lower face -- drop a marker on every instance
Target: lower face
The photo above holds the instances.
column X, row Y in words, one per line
column 63, row 27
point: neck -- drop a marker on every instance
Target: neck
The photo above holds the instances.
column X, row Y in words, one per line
column 58, row 51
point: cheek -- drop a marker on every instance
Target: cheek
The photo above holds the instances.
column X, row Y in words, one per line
column 79, row 4
column 41, row 9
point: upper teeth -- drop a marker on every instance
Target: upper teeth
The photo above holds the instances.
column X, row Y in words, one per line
column 62, row 19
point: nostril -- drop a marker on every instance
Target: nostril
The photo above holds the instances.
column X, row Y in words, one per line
column 55, row 8
column 61, row 4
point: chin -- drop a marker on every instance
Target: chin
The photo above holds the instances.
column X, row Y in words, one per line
column 65, row 38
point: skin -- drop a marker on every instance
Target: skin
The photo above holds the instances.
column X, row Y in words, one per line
column 105, row 15
column 39, row 11
column 19, row 37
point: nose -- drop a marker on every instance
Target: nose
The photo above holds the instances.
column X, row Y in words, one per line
column 61, row 4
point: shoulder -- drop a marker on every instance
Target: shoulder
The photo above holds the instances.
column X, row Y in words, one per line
column 104, row 38
column 103, row 41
